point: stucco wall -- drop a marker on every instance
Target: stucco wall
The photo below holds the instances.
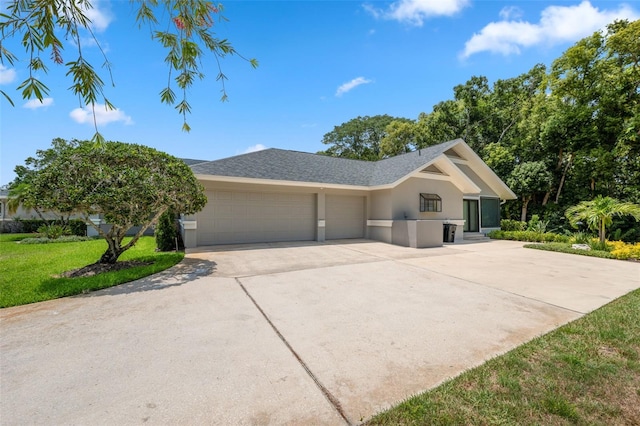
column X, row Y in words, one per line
column 406, row 199
column 380, row 204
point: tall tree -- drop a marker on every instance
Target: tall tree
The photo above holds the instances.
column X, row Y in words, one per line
column 359, row 138
column 128, row 185
column 48, row 25
column 528, row 179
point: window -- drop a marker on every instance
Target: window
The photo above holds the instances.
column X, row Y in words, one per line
column 430, row 203
column 490, row 208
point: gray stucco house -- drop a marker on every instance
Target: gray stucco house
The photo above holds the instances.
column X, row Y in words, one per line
column 279, row 195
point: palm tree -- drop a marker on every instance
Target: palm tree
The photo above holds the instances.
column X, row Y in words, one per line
column 18, row 195
column 599, row 212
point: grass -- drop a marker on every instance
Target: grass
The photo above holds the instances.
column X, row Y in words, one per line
column 566, row 248
column 586, row 372
column 28, row 271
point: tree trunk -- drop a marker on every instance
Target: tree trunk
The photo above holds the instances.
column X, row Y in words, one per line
column 525, row 203
column 601, row 231
column 545, row 200
column 564, row 176
column 112, row 253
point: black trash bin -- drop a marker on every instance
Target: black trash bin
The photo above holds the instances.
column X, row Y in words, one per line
column 449, row 233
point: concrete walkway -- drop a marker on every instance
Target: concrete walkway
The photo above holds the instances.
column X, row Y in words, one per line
column 288, row 333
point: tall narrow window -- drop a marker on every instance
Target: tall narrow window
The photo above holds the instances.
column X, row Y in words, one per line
column 490, row 208
column 430, row 203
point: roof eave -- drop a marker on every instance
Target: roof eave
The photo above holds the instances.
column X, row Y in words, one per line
column 258, row 181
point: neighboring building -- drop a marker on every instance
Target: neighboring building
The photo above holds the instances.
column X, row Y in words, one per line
column 279, row 195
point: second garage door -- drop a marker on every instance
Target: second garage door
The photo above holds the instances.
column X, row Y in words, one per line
column 344, row 216
column 255, row 217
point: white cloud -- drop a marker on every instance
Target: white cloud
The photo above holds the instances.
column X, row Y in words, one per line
column 350, row 85
column 103, row 115
column 35, row 103
column 100, row 15
column 254, row 148
column 7, row 75
column 511, row 12
column 414, row 12
column 557, row 24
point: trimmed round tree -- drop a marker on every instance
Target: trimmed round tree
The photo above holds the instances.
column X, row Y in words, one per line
column 127, row 184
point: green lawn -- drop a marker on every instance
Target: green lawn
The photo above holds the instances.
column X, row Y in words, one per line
column 28, row 271
column 586, row 373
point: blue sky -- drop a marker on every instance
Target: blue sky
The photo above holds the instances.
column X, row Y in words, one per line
column 322, row 63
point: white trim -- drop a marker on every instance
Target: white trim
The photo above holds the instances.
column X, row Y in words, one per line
column 459, row 160
column 380, row 223
column 235, row 179
column 189, row 224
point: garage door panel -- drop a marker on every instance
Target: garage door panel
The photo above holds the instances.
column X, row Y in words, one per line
column 345, row 216
column 249, row 217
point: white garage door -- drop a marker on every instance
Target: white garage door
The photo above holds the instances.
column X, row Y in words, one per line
column 256, row 217
column 344, row 217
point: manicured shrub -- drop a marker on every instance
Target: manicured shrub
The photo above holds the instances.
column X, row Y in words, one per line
column 531, row 236
column 166, row 232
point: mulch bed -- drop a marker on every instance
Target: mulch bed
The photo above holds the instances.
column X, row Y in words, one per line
column 100, row 268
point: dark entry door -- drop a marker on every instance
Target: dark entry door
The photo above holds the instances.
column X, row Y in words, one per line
column 470, row 215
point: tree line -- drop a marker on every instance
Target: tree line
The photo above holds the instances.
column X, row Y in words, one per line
column 556, row 135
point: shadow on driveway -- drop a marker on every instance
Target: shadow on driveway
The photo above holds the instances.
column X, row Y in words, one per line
column 189, row 269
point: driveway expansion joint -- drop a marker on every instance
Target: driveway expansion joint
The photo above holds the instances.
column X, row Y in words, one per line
column 327, row 394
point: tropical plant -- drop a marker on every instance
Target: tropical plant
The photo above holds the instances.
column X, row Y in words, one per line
column 53, row 232
column 599, row 212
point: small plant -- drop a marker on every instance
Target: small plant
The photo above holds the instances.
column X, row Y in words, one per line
column 512, row 225
column 596, row 244
column 537, row 225
column 53, row 232
column 581, row 238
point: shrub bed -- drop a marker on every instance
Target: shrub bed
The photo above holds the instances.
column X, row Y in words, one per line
column 566, row 248
column 531, row 236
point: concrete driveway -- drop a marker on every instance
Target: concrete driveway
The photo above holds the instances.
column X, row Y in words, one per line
column 288, row 333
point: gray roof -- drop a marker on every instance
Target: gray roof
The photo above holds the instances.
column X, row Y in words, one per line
column 191, row 161
column 284, row 165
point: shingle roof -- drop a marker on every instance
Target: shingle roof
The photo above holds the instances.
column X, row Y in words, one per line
column 191, row 161
column 284, row 165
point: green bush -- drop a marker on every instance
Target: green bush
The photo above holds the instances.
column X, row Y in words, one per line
column 53, row 232
column 537, row 225
column 166, row 233
column 512, row 225
column 581, row 238
column 531, row 236
column 76, row 226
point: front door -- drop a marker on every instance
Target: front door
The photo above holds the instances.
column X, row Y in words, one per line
column 470, row 215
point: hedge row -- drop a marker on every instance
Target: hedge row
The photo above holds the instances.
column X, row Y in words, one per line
column 531, row 236
column 76, row 226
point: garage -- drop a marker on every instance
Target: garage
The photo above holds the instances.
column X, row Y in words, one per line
column 344, row 217
column 234, row 217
